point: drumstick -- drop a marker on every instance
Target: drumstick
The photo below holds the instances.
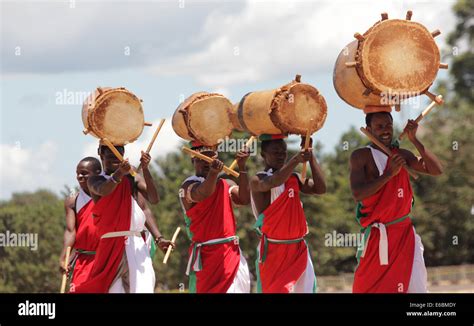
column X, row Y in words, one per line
column 249, row 142
column 385, row 149
column 66, row 263
column 152, row 140
column 306, row 146
column 173, row 239
column 208, row 160
column 116, row 153
column 425, row 112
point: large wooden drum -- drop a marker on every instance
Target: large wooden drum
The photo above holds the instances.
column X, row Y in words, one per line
column 348, row 84
column 293, row 108
column 204, row 117
column 113, row 113
column 394, row 60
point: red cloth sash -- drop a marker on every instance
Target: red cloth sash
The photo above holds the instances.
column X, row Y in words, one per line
column 391, row 202
column 284, row 219
column 213, row 218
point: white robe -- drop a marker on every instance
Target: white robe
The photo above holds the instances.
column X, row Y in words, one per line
column 140, row 268
column 81, row 200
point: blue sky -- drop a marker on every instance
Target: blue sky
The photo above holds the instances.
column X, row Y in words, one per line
column 164, row 51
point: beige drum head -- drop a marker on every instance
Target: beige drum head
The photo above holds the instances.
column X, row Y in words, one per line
column 115, row 114
column 298, row 109
column 398, row 56
column 204, row 117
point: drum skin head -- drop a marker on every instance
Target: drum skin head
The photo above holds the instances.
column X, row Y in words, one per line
column 301, row 108
column 398, row 57
column 117, row 115
column 206, row 118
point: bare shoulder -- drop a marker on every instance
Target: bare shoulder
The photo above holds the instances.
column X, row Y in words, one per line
column 186, row 184
column 70, row 201
column 406, row 154
column 257, row 177
column 360, row 155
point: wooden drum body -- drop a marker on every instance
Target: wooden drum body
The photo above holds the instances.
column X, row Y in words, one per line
column 347, row 82
column 294, row 108
column 204, row 117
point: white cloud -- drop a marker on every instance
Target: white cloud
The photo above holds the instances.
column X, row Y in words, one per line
column 98, row 35
column 166, row 142
column 217, row 44
column 27, row 169
column 278, row 39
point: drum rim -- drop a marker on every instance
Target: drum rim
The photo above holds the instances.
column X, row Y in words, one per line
column 98, row 100
column 183, row 110
column 285, row 128
column 360, row 55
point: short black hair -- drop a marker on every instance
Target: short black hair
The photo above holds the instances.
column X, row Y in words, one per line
column 95, row 163
column 266, row 143
column 368, row 117
column 101, row 148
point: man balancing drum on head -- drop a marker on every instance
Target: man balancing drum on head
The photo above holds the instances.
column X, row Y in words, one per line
column 216, row 263
column 122, row 263
column 391, row 257
column 284, row 261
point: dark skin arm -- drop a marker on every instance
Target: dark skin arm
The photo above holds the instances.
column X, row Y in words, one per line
column 100, row 186
column 317, row 184
column 280, row 176
column 364, row 185
column 206, row 188
column 428, row 163
column 146, row 184
column 150, row 224
column 241, row 194
column 70, row 231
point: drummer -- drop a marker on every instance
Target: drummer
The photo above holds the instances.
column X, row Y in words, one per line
column 284, row 263
column 123, row 263
column 80, row 232
column 216, row 263
column 391, row 259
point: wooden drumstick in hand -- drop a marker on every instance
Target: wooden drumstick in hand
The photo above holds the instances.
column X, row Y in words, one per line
column 117, row 153
column 66, row 264
column 203, row 157
column 306, row 146
column 385, row 149
column 249, row 142
column 170, row 248
column 152, row 141
column 425, row 112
